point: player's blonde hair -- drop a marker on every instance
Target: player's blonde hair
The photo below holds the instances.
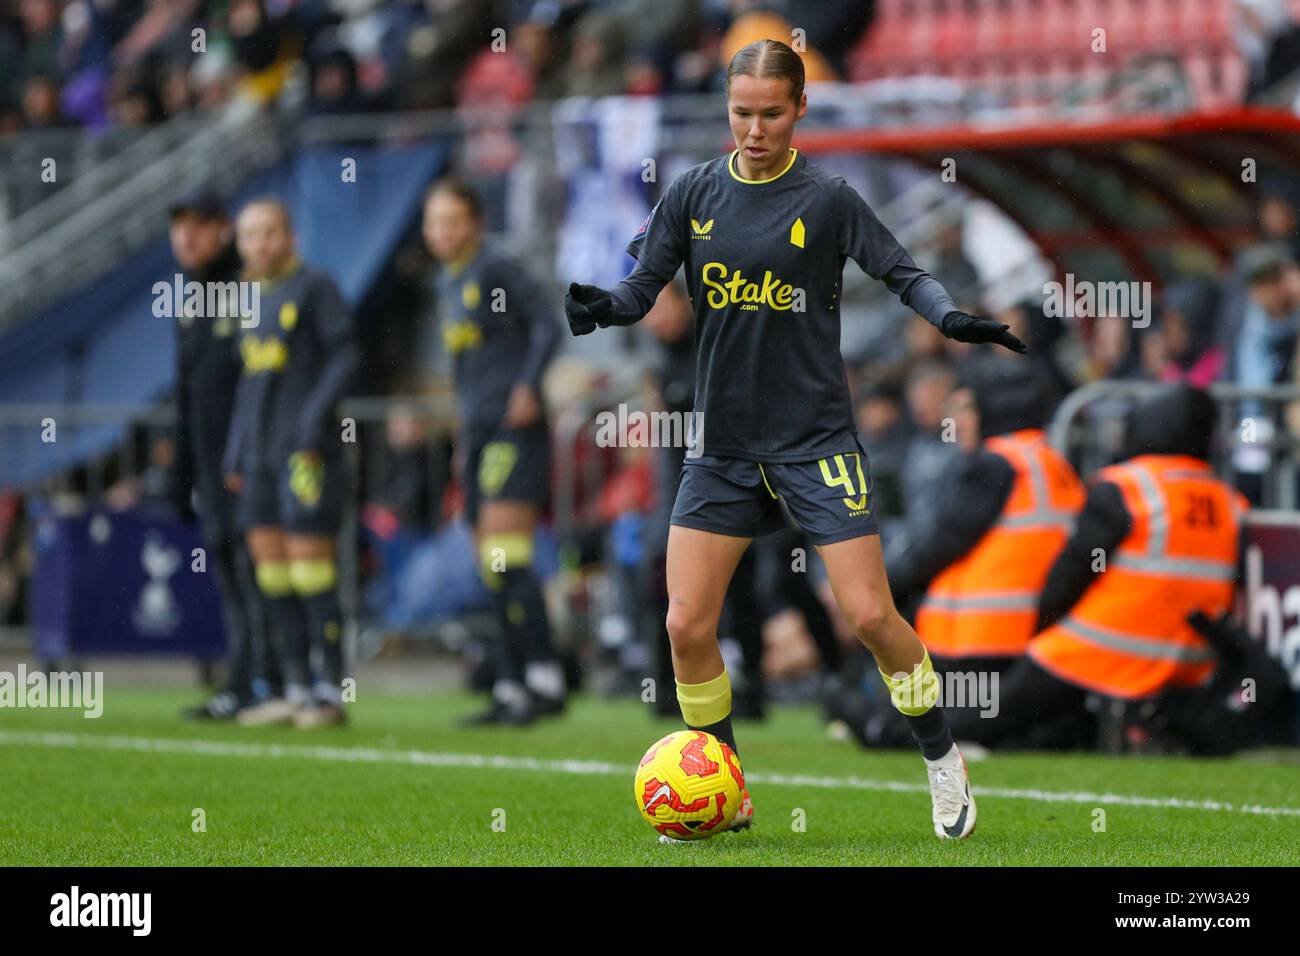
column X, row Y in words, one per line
column 275, row 204
column 768, row 59
column 455, row 186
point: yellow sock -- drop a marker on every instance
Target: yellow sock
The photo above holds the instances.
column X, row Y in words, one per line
column 273, row 578
column 705, row 704
column 312, row 577
column 915, row 693
column 498, row 553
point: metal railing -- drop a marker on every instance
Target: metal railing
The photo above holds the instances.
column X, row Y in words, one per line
column 119, row 457
column 37, row 165
column 116, row 469
column 1088, row 428
column 1084, row 428
column 114, row 210
column 98, row 165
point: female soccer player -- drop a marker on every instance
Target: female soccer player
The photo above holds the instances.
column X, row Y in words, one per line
column 284, row 460
column 763, row 235
column 500, row 336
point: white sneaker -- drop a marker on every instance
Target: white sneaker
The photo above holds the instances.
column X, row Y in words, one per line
column 954, row 807
column 743, row 820
column 319, row 715
column 277, row 710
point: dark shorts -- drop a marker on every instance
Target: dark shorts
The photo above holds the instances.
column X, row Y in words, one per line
column 301, row 497
column 829, row 499
column 507, row 465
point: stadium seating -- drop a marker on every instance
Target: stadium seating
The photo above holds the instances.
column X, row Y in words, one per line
column 1034, row 47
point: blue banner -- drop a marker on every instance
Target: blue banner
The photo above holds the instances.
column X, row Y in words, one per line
column 103, row 344
column 122, row 583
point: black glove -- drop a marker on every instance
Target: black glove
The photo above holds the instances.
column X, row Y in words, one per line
column 587, row 306
column 970, row 328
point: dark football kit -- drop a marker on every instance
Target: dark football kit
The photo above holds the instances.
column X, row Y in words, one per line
column 764, row 261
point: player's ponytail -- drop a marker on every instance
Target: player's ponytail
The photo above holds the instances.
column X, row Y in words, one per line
column 768, row 59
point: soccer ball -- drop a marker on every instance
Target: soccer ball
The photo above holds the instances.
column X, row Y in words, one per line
column 688, row 785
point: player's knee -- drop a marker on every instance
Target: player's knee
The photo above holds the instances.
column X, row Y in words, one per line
column 687, row 629
column 869, row 618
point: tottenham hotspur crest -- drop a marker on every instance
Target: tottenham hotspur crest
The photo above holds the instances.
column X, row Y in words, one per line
column 157, row 612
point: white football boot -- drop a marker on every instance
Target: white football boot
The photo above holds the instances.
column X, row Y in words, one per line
column 277, row 710
column 954, row 807
column 743, row 820
column 320, row 714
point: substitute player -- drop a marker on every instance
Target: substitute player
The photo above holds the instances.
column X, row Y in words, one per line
column 284, row 459
column 764, row 235
column 500, row 336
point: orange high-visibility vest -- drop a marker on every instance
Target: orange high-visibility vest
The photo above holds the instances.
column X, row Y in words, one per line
column 1128, row 635
column 986, row 603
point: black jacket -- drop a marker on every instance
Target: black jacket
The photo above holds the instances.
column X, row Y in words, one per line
column 207, row 371
column 975, row 489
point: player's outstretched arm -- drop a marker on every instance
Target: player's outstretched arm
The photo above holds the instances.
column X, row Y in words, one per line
column 588, row 307
column 659, row 252
column 972, row 328
column 864, row 238
column 924, row 294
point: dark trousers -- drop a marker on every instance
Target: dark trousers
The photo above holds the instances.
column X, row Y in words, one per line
column 248, row 648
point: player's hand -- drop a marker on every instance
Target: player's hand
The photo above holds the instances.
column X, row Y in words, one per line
column 234, row 482
column 524, row 408
column 587, row 306
column 970, row 328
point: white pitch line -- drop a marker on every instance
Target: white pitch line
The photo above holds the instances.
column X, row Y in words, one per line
column 424, row 758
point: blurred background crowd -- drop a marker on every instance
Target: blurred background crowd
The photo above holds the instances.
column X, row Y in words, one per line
column 130, row 63
column 97, row 64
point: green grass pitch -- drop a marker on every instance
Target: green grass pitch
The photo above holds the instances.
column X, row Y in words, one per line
column 402, row 786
